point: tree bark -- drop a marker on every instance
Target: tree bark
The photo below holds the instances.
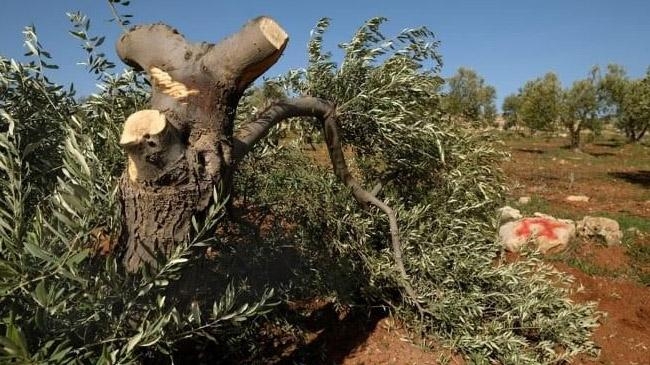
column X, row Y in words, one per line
column 574, row 132
column 176, row 159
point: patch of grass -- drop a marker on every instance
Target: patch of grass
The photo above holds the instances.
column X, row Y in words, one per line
column 536, row 204
column 637, row 248
column 541, row 205
column 570, row 257
column 590, row 268
column 640, row 255
column 627, row 221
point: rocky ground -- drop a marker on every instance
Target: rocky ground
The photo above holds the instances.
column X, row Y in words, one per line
column 616, row 179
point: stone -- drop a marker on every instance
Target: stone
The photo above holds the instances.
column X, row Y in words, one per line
column 524, row 200
column 508, row 214
column 577, row 198
column 604, row 228
column 548, row 234
column 542, row 215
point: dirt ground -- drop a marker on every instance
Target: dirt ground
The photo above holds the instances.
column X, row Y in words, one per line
column 616, row 178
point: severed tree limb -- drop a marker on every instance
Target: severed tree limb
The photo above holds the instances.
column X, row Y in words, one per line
column 238, row 59
column 325, row 112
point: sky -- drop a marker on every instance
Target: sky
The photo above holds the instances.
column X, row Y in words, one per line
column 507, row 42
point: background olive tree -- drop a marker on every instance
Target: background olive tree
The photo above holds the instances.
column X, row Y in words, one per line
column 510, row 108
column 543, row 105
column 580, row 109
column 626, row 101
column 469, row 99
column 540, row 105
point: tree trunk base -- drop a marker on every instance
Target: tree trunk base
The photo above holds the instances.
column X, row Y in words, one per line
column 159, row 218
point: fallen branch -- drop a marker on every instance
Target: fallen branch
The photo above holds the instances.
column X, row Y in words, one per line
column 325, row 113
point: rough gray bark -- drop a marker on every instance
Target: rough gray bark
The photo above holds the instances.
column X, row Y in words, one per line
column 160, row 201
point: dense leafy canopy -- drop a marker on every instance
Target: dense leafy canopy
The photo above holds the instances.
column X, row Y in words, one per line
column 580, row 109
column 469, row 98
column 626, row 101
column 540, row 103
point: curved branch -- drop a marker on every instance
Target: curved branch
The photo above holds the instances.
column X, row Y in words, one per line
column 248, row 53
column 238, row 59
column 325, row 112
column 150, row 45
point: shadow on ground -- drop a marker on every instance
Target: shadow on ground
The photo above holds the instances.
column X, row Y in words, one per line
column 338, row 335
column 601, row 154
column 530, row 150
column 610, row 143
column 639, row 177
column 258, row 251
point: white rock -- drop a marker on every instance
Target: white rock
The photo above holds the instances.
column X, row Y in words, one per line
column 606, row 228
column 547, row 233
column 577, row 198
column 543, row 215
column 507, row 214
column 524, row 200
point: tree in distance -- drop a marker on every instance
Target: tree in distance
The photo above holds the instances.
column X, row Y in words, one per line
column 469, row 98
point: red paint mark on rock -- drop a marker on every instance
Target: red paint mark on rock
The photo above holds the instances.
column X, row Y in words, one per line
column 547, row 227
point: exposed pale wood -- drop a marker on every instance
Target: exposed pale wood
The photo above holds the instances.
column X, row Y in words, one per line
column 140, row 124
column 164, row 82
column 245, row 55
column 273, row 32
column 152, row 145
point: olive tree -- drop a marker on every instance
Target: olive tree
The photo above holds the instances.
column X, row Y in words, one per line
column 511, row 110
column 635, row 118
column 626, row 101
column 541, row 103
column 469, row 98
column 579, row 109
column 436, row 188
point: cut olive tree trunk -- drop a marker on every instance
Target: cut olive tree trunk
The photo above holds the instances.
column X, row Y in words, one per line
column 182, row 147
column 185, row 145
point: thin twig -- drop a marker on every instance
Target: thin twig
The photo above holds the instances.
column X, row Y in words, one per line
column 117, row 16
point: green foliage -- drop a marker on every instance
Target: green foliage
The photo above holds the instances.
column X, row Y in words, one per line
column 469, row 98
column 444, row 186
column 626, row 101
column 511, row 107
column 579, row 109
column 60, row 302
column 541, row 103
column 634, row 119
column 613, row 88
column 30, row 108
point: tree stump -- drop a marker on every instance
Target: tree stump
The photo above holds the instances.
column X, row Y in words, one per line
column 182, row 147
